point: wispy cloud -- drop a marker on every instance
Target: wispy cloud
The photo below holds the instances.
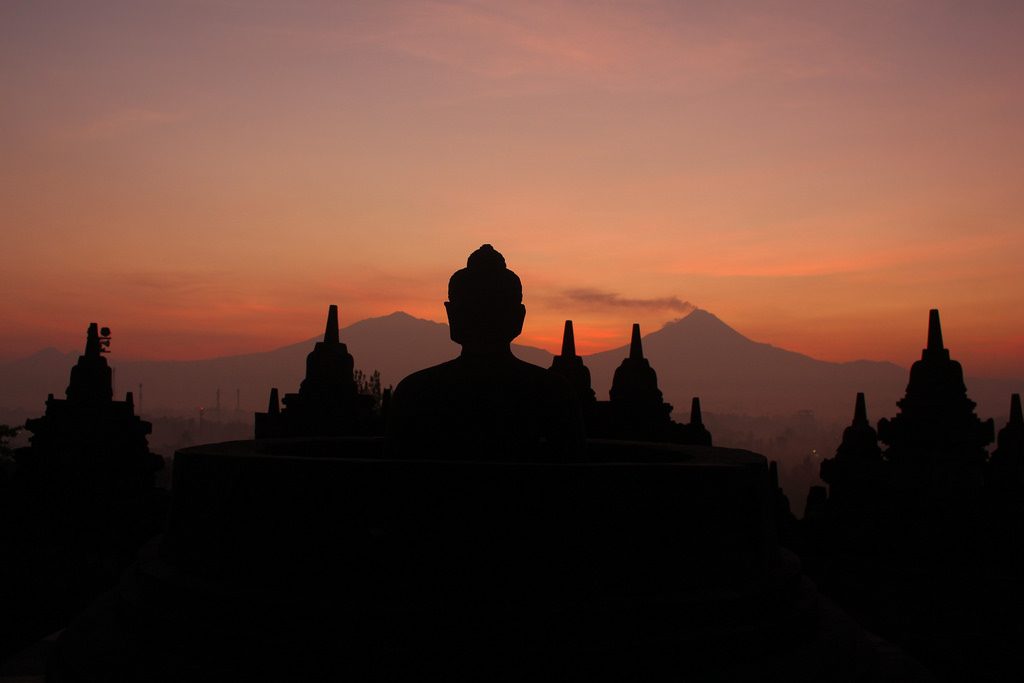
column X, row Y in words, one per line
column 595, row 299
column 618, row 46
column 166, row 280
column 121, row 121
column 493, row 41
column 178, row 289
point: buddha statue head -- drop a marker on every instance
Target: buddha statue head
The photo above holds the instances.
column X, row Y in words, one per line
column 485, row 303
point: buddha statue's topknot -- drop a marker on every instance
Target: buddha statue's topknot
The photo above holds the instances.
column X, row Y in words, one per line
column 485, row 281
column 486, row 257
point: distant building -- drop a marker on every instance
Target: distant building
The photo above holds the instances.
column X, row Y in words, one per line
column 328, row 402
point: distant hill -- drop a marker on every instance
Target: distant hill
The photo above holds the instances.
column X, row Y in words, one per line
column 700, row 355
column 697, row 355
column 396, row 344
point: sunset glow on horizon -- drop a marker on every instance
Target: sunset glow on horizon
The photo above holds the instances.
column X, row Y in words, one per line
column 206, row 177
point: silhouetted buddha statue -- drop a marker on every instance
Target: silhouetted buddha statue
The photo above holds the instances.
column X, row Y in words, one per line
column 486, row 404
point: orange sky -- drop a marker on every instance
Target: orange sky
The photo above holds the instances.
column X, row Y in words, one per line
column 205, row 177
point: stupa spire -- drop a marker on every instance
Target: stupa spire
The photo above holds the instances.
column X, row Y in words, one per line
column 91, row 377
column 936, row 422
column 695, row 415
column 860, row 410
column 328, row 402
column 636, row 348
column 1007, row 461
column 105, row 436
column 635, row 390
column 331, row 333
column 92, row 341
column 934, row 331
column 568, row 341
column 571, row 367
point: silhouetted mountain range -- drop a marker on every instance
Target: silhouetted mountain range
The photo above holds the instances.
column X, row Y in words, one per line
column 396, row 344
column 698, row 355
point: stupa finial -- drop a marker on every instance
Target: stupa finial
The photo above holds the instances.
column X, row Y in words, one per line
column 636, row 349
column 331, row 333
column 568, row 341
column 934, row 331
column 92, row 341
column 695, row 415
column 860, row 411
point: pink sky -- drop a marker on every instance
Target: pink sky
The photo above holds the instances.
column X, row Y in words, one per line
column 205, row 177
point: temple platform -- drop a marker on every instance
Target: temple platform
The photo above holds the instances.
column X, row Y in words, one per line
column 321, row 558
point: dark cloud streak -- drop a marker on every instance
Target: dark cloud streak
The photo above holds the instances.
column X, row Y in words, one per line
column 595, row 299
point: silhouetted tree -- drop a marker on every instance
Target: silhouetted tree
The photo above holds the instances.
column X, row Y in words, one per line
column 7, row 463
column 6, row 434
column 369, row 385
